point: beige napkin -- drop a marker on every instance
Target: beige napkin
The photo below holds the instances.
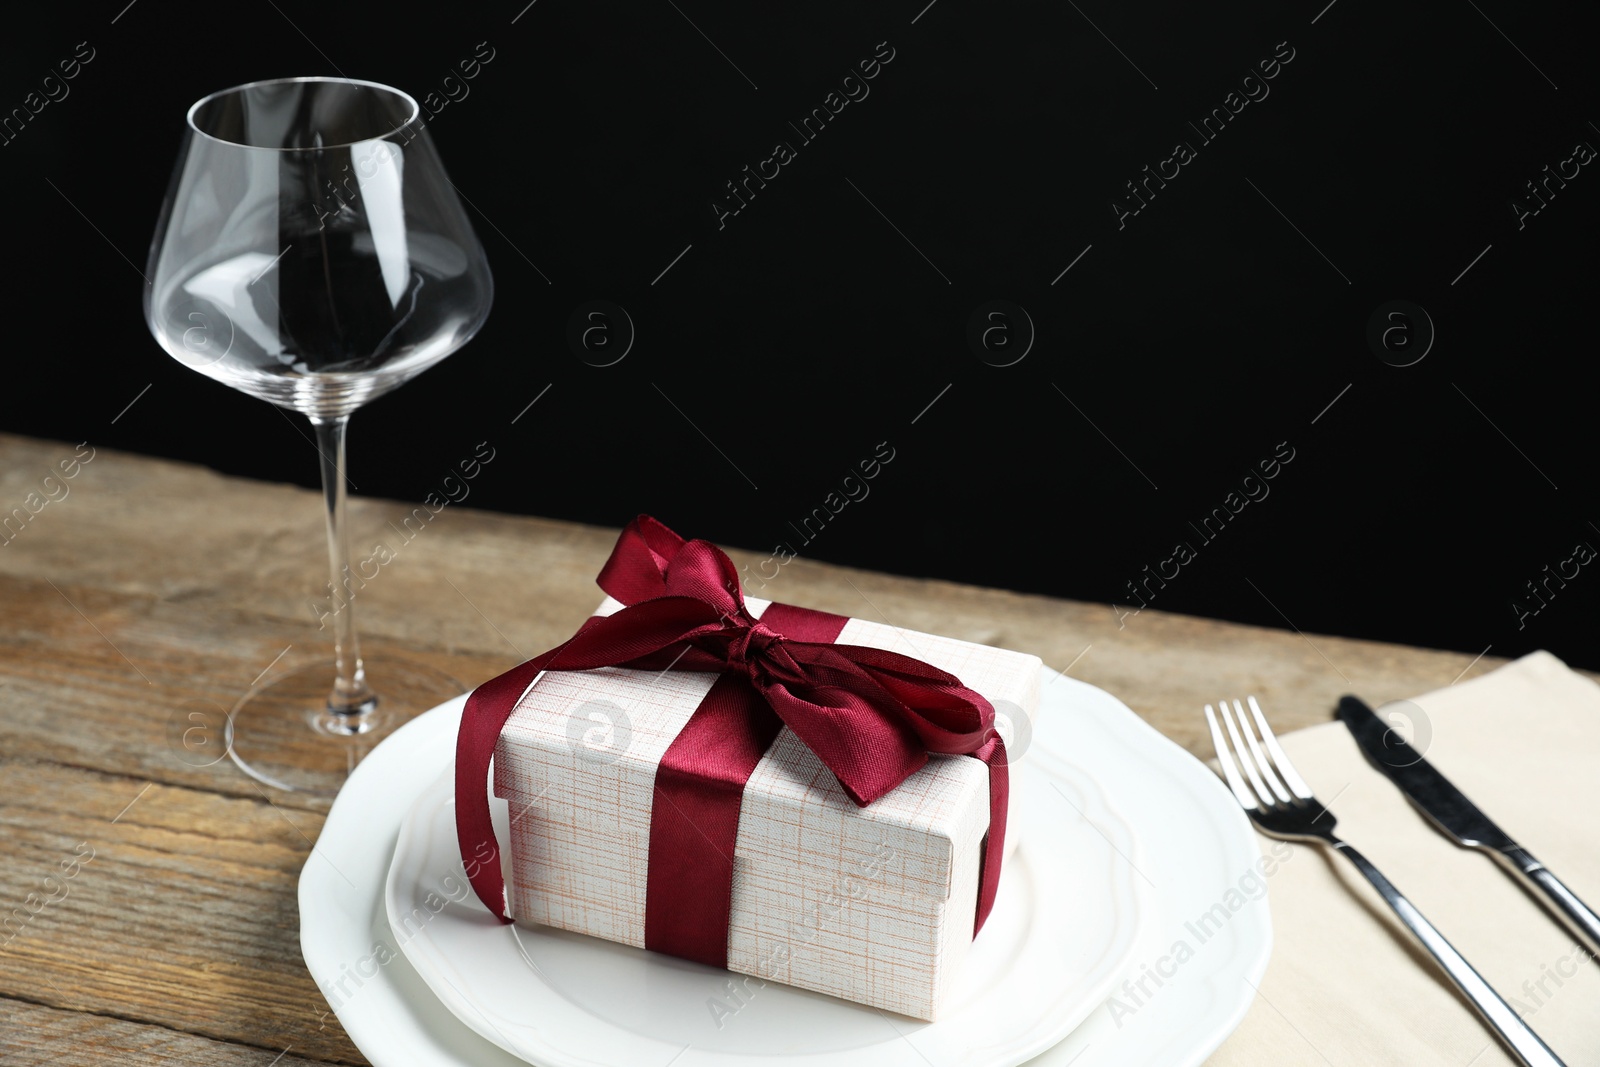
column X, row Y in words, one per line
column 1347, row 984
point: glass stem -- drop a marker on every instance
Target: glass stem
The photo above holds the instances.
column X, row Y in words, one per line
column 352, row 700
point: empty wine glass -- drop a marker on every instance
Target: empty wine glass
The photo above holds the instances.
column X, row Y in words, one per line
column 312, row 252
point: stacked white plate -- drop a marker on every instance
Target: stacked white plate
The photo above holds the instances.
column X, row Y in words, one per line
column 1128, row 930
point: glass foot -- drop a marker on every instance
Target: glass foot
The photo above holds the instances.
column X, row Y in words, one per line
column 282, row 733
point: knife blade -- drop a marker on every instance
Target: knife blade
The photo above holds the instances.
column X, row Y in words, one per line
column 1460, row 819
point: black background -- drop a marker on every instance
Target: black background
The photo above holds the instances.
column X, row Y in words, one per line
column 1175, row 354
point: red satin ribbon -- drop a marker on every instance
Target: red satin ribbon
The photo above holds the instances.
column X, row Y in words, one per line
column 871, row 717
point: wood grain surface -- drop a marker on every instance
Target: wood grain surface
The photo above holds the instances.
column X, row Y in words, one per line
column 151, row 587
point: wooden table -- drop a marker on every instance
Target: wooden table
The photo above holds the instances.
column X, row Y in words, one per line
column 151, row 585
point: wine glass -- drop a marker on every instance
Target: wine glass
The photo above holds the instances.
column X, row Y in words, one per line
column 312, row 252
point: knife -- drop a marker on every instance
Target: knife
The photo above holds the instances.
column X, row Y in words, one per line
column 1449, row 809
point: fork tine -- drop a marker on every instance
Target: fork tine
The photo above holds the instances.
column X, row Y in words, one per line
column 1297, row 784
column 1229, row 770
column 1243, row 754
column 1264, row 764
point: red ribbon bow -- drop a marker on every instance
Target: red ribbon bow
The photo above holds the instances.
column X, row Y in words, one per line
column 871, row 716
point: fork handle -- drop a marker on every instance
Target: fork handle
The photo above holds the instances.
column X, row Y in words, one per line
column 1522, row 1041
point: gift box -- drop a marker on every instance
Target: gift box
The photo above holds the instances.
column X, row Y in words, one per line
column 796, row 796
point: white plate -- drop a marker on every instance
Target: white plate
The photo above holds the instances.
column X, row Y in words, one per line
column 1190, row 843
column 566, row 1000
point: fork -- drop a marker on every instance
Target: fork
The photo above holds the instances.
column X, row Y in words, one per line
column 1281, row 805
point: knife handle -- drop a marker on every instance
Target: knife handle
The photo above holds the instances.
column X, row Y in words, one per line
column 1523, row 1043
column 1563, row 901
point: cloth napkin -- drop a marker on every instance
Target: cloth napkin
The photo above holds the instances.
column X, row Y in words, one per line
column 1347, row 983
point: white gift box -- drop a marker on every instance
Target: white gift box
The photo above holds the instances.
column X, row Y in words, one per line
column 873, row 904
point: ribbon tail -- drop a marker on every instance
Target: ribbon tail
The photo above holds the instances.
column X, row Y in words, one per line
column 488, row 708
column 993, row 755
